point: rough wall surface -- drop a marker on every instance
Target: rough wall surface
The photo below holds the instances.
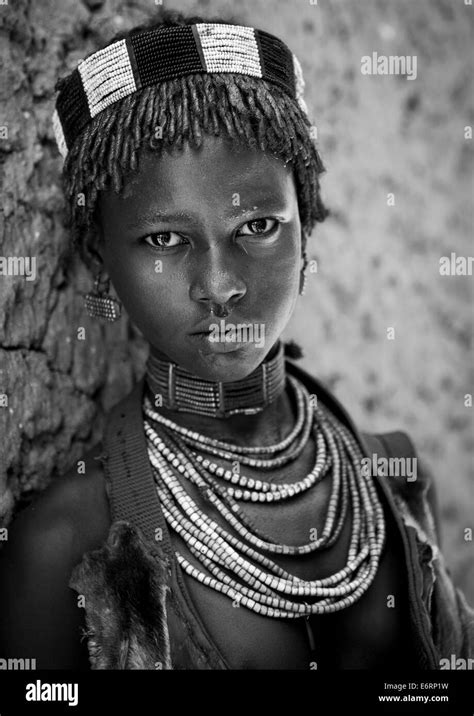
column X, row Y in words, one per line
column 378, row 258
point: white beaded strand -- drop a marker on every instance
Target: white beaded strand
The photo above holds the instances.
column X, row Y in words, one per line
column 302, row 426
column 217, row 549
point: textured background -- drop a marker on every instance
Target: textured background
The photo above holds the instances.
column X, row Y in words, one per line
column 377, row 264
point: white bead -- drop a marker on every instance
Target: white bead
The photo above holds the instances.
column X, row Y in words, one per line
column 59, row 134
column 229, row 49
column 107, row 76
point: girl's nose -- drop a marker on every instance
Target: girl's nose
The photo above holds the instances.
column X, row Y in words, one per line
column 217, row 283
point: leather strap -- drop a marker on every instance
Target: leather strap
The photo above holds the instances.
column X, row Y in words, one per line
column 132, row 491
column 394, row 444
column 397, row 444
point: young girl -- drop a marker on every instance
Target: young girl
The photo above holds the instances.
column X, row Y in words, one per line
column 228, row 519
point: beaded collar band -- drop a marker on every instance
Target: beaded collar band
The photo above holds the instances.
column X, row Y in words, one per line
column 182, row 391
column 152, row 56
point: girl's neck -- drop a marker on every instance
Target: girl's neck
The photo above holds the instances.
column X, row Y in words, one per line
column 269, row 426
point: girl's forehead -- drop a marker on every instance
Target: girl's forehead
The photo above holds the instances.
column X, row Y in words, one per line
column 215, row 180
column 219, row 165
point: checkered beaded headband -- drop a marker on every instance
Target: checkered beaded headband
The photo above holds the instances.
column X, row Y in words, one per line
column 153, row 56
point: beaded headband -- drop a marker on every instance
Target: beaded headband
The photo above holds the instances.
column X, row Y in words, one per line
column 153, row 56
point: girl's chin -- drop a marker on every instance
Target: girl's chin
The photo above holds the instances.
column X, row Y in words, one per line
column 225, row 362
column 228, row 365
column 218, row 361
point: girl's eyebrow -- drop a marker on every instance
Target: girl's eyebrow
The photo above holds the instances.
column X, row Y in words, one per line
column 153, row 216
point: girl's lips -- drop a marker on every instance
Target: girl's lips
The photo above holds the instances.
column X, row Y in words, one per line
column 208, row 346
column 210, row 324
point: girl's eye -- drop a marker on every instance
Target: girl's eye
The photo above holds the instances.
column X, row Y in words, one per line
column 169, row 239
column 164, row 240
column 259, row 227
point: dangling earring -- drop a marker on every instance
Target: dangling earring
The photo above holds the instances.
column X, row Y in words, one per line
column 99, row 304
column 303, row 279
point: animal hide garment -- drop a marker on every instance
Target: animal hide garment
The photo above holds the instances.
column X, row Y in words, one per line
column 124, row 585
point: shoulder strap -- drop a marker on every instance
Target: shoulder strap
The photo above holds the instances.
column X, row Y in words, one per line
column 132, row 491
column 398, row 444
column 394, row 444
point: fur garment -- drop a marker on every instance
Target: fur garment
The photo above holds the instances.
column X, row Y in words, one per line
column 125, row 584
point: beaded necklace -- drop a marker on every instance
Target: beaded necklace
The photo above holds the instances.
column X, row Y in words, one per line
column 180, row 390
column 237, row 557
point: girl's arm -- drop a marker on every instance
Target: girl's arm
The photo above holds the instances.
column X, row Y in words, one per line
column 39, row 614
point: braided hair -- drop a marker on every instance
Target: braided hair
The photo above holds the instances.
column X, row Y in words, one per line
column 247, row 110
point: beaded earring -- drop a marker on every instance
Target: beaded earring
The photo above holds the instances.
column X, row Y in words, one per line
column 99, row 304
column 303, row 279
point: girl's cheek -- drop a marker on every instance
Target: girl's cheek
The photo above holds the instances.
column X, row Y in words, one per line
column 153, row 295
column 281, row 280
column 133, row 271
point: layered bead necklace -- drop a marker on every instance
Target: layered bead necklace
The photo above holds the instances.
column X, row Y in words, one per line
column 237, row 558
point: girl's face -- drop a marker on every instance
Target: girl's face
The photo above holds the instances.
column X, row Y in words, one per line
column 199, row 228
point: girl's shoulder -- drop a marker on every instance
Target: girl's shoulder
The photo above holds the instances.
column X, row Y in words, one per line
column 71, row 513
column 45, row 542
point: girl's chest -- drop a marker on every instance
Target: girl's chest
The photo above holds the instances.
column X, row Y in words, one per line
column 372, row 632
